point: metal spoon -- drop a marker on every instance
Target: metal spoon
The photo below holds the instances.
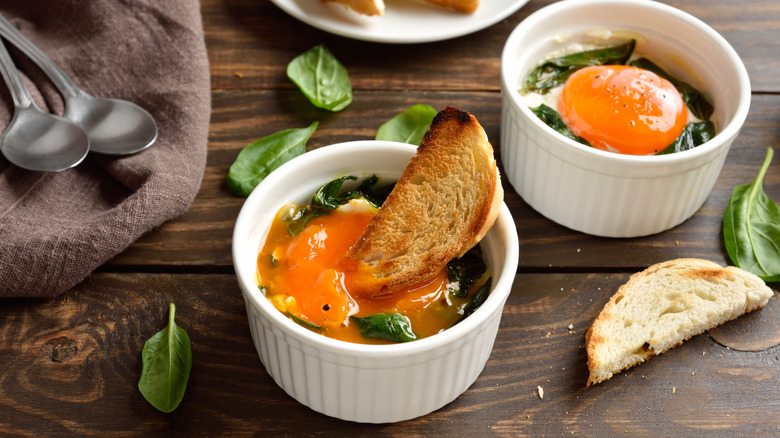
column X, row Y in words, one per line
column 34, row 139
column 114, row 126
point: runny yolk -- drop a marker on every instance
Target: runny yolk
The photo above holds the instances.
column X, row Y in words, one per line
column 621, row 108
column 306, row 280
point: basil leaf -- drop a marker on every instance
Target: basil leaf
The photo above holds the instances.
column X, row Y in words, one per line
column 551, row 118
column 409, row 126
column 694, row 134
column 751, row 228
column 321, row 78
column 302, row 218
column 555, row 71
column 327, row 196
column 693, row 98
column 465, row 271
column 477, row 300
column 260, row 158
column 392, row 327
column 304, row 323
column 166, row 364
column 372, row 193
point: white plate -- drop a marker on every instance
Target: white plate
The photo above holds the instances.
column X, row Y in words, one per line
column 404, row 21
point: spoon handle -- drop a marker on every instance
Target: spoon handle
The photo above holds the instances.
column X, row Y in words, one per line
column 19, row 92
column 60, row 80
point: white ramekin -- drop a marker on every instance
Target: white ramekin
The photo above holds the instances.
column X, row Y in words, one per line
column 364, row 383
column 605, row 193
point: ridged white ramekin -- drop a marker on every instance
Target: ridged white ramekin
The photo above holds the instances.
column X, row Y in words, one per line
column 605, row 193
column 364, row 383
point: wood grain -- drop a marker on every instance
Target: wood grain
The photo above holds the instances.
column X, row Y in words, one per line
column 250, row 43
column 70, row 365
column 202, row 236
column 103, row 323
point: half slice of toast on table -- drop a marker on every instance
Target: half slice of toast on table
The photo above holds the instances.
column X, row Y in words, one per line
column 664, row 305
column 445, row 201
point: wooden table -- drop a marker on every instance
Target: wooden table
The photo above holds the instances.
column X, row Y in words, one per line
column 71, row 365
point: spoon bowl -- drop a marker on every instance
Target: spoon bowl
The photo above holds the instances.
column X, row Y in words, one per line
column 36, row 140
column 114, row 126
column 39, row 141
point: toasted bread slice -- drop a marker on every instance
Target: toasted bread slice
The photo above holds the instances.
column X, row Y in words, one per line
column 365, row 7
column 445, row 201
column 467, row 6
column 664, row 305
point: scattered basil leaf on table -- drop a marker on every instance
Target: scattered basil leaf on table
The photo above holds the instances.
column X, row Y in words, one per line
column 409, row 126
column 551, row 118
column 555, row 71
column 394, row 327
column 261, row 157
column 321, row 78
column 751, row 228
column 693, row 98
column 694, row 134
column 464, row 271
column 166, row 364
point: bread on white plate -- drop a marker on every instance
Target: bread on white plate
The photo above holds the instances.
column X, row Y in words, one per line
column 447, row 198
column 664, row 305
column 467, row 6
column 365, row 7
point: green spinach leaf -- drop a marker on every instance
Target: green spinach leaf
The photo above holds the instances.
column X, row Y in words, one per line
column 166, row 364
column 463, row 272
column 694, row 134
column 477, row 300
column 321, row 78
column 373, row 193
column 390, row 326
column 693, row 98
column 327, row 196
column 260, row 158
column 409, row 126
column 751, row 228
column 555, row 71
column 304, row 322
column 551, row 118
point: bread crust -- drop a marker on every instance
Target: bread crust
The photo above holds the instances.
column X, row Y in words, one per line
column 467, row 6
column 365, row 7
column 601, row 338
column 446, row 200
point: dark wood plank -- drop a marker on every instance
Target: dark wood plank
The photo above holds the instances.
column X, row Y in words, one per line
column 71, row 365
column 202, row 236
column 250, row 43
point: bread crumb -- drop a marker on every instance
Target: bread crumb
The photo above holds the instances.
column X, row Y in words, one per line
column 692, row 373
column 578, row 250
column 676, row 243
column 541, row 392
column 527, row 416
column 239, row 74
column 674, row 389
column 571, row 327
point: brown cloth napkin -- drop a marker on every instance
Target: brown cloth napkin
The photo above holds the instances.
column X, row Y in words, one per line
column 56, row 228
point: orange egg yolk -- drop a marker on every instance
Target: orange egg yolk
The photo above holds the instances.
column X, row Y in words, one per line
column 621, row 108
column 306, row 280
